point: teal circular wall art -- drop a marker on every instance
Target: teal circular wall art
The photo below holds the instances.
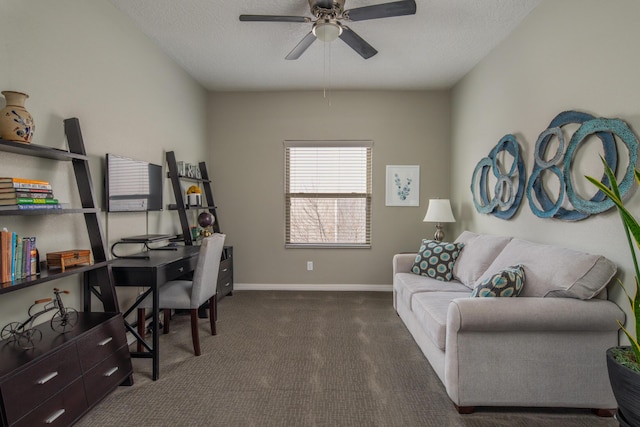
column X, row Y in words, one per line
column 510, row 185
column 506, row 200
column 541, row 202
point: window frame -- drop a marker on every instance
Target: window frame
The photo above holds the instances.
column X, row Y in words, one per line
column 367, row 195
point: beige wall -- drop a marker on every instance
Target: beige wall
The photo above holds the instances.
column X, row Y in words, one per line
column 567, row 55
column 84, row 59
column 247, row 132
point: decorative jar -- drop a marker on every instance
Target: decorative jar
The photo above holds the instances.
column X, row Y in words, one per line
column 16, row 123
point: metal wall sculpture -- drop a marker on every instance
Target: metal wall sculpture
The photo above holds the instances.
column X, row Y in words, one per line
column 506, row 199
column 541, row 202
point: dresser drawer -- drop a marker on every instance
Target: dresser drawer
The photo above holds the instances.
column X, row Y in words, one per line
column 225, row 279
column 225, row 284
column 101, row 343
column 226, row 267
column 61, row 410
column 28, row 388
column 107, row 375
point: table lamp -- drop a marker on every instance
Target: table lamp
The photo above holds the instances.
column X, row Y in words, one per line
column 439, row 211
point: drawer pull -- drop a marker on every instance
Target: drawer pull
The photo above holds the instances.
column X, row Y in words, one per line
column 181, row 269
column 225, row 270
column 227, row 284
column 105, row 341
column 111, row 371
column 48, row 378
column 55, row 416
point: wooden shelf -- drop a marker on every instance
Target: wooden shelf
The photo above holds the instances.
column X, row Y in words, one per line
column 47, row 275
column 48, row 211
column 39, row 151
column 77, row 155
column 189, row 178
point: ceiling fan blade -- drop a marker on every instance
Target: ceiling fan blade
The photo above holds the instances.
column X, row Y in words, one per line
column 302, row 46
column 274, row 18
column 357, row 43
column 385, row 10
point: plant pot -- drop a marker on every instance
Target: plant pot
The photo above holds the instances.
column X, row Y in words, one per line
column 626, row 389
column 16, row 123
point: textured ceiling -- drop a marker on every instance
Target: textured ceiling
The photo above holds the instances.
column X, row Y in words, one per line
column 432, row 49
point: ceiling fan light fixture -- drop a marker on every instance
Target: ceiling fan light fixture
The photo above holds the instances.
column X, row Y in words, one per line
column 327, row 30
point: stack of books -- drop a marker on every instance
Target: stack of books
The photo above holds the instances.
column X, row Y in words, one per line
column 21, row 193
column 18, row 257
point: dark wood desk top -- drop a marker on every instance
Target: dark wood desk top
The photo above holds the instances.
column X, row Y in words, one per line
column 160, row 266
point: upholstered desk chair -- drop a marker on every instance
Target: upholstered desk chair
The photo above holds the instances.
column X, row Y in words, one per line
column 191, row 294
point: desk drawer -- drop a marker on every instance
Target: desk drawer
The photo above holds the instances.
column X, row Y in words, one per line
column 27, row 389
column 101, row 343
column 107, row 375
column 179, row 268
column 61, row 410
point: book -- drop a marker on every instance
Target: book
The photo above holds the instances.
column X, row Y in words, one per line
column 5, row 257
column 12, row 190
column 31, row 206
column 35, row 194
column 17, row 258
column 25, row 185
column 34, row 258
column 12, row 260
column 28, row 201
column 26, row 257
column 6, row 179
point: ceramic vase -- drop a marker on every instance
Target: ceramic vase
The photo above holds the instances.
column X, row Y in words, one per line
column 16, row 123
column 625, row 384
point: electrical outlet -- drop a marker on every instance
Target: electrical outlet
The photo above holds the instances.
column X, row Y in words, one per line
column 309, row 265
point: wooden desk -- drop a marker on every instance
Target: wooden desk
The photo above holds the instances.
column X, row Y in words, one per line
column 152, row 272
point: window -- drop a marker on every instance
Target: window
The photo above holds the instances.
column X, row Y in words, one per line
column 328, row 193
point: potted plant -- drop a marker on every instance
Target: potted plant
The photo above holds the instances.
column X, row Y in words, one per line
column 623, row 362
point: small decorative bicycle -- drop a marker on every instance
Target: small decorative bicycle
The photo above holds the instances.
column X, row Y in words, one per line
column 25, row 335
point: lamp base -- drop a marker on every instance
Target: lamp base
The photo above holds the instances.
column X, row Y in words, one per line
column 439, row 235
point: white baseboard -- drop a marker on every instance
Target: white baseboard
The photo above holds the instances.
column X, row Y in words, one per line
column 310, row 287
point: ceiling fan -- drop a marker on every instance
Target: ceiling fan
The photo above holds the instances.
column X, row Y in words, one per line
column 328, row 24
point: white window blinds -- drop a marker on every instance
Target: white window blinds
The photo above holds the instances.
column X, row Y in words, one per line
column 328, row 193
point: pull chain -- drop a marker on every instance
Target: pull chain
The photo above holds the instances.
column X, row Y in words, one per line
column 327, row 72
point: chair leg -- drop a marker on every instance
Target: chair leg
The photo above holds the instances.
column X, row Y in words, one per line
column 141, row 326
column 166, row 319
column 213, row 313
column 194, row 331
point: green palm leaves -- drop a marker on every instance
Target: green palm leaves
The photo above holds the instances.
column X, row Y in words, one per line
column 632, row 228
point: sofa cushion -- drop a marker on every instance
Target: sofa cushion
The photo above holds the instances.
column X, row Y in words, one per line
column 553, row 271
column 436, row 259
column 408, row 284
column 505, row 283
column 479, row 252
column 431, row 310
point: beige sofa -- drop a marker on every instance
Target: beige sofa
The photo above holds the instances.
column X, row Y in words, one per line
column 544, row 348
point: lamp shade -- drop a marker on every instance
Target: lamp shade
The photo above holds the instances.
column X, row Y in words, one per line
column 439, row 210
column 327, row 30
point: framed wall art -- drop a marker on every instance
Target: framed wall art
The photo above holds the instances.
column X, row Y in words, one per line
column 403, row 185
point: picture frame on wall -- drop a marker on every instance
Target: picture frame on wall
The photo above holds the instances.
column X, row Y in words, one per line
column 403, row 185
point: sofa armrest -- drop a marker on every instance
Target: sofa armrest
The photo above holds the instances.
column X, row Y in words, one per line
column 402, row 263
column 532, row 314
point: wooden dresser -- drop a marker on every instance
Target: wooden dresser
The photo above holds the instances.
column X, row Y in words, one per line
column 64, row 375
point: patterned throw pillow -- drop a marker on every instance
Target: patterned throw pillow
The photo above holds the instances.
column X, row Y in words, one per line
column 505, row 283
column 436, row 259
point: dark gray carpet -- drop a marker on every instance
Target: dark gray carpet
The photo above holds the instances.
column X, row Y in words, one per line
column 302, row 359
